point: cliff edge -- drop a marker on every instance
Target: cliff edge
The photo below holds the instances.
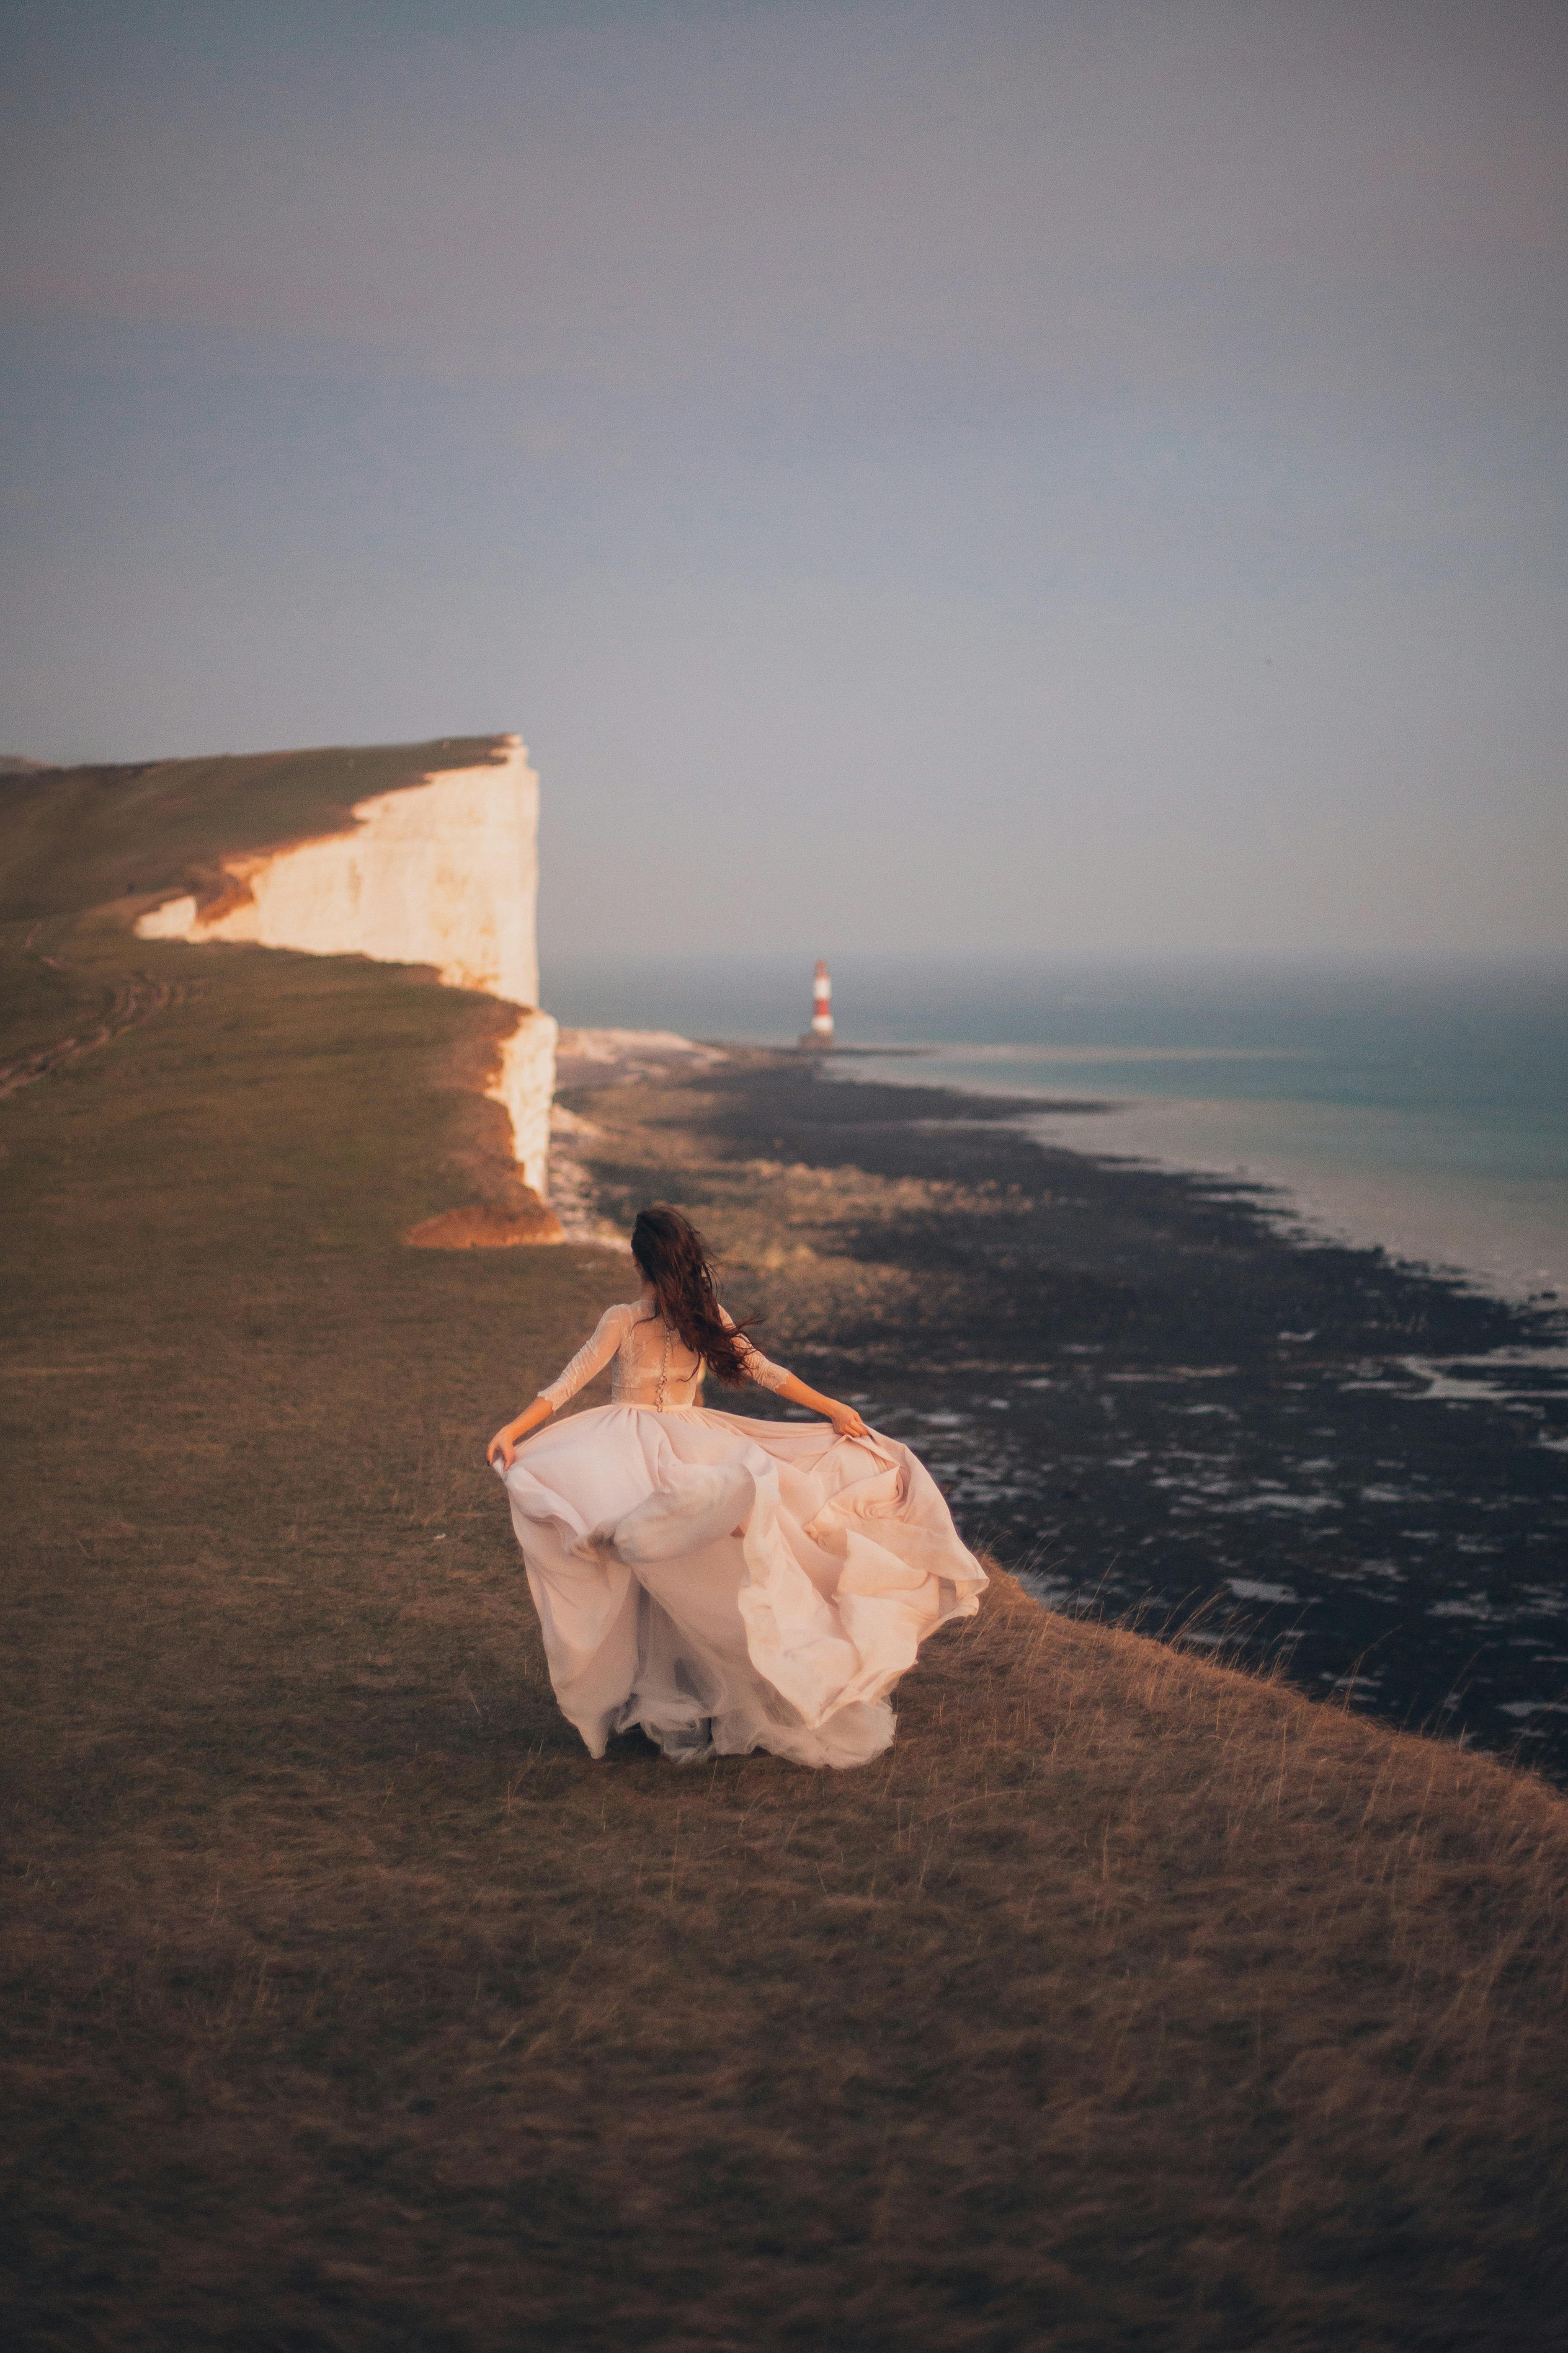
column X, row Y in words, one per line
column 445, row 872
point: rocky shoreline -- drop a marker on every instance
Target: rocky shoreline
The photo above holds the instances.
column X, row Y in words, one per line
column 1137, row 1391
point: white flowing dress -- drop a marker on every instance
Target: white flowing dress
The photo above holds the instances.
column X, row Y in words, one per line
column 726, row 1584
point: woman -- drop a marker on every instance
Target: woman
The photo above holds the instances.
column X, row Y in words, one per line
column 726, row 1584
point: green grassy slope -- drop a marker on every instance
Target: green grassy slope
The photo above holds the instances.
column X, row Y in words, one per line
column 84, row 850
column 72, row 838
column 1125, row 2003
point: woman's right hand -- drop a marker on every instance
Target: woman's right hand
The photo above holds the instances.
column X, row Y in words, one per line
column 510, row 1435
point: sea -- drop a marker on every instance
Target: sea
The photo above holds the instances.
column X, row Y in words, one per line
column 1418, row 1107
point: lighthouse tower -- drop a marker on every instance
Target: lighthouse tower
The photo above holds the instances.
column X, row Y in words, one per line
column 821, row 1031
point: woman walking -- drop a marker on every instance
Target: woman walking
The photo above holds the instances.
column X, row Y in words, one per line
column 726, row 1584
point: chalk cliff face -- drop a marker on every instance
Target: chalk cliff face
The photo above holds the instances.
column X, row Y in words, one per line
column 446, row 873
column 525, row 1085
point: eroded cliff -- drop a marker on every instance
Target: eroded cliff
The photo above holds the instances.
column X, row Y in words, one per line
column 444, row 872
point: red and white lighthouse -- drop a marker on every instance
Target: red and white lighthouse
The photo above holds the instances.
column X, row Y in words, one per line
column 821, row 1005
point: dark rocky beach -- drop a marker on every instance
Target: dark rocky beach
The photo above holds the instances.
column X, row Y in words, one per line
column 1138, row 1390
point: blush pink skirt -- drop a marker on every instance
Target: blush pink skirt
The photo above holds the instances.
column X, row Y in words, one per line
column 731, row 1585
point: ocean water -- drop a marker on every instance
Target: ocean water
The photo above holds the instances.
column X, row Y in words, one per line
column 1421, row 1107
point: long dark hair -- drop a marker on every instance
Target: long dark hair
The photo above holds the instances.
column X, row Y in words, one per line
column 679, row 1265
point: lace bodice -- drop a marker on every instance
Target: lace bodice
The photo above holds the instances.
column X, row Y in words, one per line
column 654, row 1367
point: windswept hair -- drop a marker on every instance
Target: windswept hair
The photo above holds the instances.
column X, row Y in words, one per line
column 679, row 1263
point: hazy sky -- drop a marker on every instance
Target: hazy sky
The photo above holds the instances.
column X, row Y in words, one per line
column 1066, row 476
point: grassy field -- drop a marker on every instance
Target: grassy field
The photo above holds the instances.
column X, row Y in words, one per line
column 1126, row 2003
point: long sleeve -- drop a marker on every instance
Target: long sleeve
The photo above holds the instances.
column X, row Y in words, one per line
column 759, row 1368
column 592, row 1357
column 763, row 1371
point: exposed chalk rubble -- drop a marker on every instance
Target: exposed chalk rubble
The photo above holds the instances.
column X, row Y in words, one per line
column 444, row 872
column 605, row 1057
column 593, row 1059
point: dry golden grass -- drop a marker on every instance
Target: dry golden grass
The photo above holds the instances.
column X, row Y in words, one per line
column 1127, row 2003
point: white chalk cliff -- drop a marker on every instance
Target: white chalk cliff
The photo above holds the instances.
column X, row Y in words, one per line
column 444, row 872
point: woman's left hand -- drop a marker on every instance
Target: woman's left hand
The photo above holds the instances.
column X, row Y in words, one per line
column 847, row 1423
